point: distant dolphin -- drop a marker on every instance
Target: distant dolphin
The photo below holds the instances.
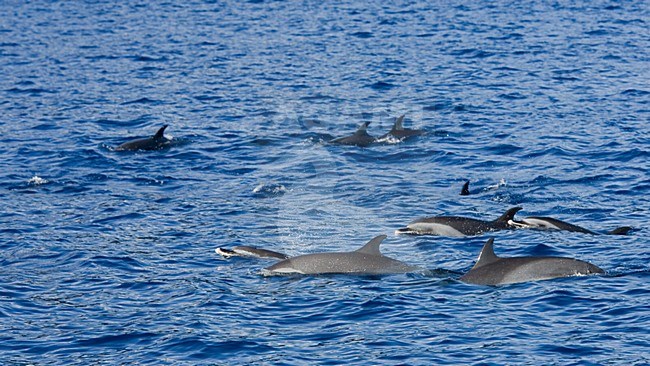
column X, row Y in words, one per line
column 246, row 251
column 398, row 131
column 367, row 260
column 458, row 226
column 549, row 223
column 492, row 270
column 359, row 138
column 155, row 142
column 465, row 190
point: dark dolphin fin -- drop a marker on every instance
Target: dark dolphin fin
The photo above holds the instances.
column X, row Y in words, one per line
column 623, row 230
column 465, row 190
column 372, row 247
column 509, row 215
column 160, row 134
column 362, row 128
column 399, row 123
column 487, row 255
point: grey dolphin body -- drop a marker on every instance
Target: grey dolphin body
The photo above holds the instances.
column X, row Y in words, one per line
column 492, row 270
column 549, row 223
column 458, row 226
column 155, row 142
column 398, row 131
column 359, row 138
column 367, row 260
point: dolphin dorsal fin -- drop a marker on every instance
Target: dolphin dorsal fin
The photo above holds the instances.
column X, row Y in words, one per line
column 161, row 133
column 487, row 255
column 372, row 247
column 398, row 123
column 509, row 215
column 465, row 190
column 362, row 129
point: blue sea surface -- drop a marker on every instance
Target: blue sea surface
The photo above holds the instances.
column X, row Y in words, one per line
column 108, row 257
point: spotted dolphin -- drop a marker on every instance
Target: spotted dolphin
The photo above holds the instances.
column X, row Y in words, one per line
column 492, row 270
column 458, row 226
column 155, row 142
column 398, row 131
column 359, row 138
column 549, row 223
column 366, row 260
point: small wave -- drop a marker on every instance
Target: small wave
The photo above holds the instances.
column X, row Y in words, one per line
column 381, row 85
column 143, row 100
column 362, row 35
column 635, row 92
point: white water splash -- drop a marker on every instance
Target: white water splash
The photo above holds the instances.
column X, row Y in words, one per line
column 37, row 181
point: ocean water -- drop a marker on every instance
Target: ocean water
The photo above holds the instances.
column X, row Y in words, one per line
column 108, row 258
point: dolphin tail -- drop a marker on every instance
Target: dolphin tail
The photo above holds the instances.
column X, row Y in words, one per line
column 508, row 216
column 161, row 133
column 465, row 190
column 623, row 230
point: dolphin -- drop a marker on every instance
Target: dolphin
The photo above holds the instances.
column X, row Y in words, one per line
column 359, row 138
column 492, row 270
column 155, row 142
column 367, row 260
column 549, row 223
column 247, row 251
column 458, row 226
column 398, row 131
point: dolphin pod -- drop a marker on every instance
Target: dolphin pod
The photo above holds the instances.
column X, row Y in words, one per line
column 550, row 223
column 363, row 139
column 492, row 270
column 489, row 269
column 366, row 260
column 155, row 142
column 458, row 226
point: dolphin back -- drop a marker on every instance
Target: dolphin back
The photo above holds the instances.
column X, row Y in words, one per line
column 359, row 138
column 342, row 263
column 492, row 270
column 155, row 142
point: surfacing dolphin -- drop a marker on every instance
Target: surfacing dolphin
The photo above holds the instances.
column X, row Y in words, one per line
column 492, row 270
column 366, row 260
column 247, row 251
column 458, row 226
column 549, row 223
column 155, row 142
column 359, row 138
column 398, row 131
